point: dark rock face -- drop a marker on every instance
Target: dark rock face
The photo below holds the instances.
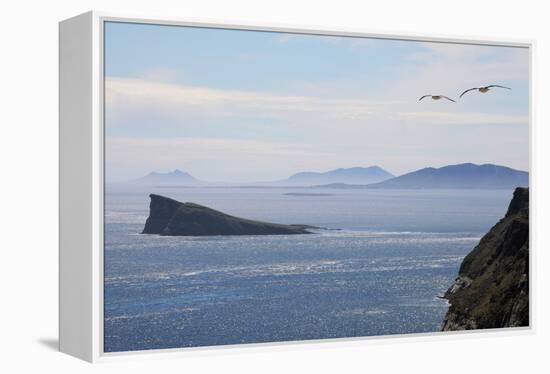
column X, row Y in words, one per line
column 171, row 217
column 492, row 288
column 161, row 211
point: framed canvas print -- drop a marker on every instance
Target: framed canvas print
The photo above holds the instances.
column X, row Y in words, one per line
column 226, row 185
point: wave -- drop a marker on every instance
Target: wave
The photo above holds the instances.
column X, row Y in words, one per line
column 297, row 268
column 135, row 240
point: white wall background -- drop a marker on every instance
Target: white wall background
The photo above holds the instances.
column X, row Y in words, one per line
column 28, row 174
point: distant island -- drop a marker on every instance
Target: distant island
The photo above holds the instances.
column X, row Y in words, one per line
column 312, row 194
column 173, row 218
column 486, row 176
column 354, row 175
column 176, row 177
column 492, row 287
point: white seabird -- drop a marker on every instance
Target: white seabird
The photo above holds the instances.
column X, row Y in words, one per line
column 437, row 97
column 484, row 89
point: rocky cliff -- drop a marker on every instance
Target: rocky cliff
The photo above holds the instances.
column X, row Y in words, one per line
column 171, row 217
column 492, row 287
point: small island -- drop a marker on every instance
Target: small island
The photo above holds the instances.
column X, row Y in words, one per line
column 310, row 194
column 170, row 217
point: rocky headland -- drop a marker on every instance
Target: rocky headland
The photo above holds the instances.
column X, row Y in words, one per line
column 492, row 287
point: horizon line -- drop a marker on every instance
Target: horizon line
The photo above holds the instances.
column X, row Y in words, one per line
column 318, row 172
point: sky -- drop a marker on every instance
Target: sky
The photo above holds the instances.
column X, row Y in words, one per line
column 248, row 106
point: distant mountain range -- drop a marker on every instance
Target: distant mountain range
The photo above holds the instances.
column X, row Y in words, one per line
column 176, row 177
column 486, row 176
column 355, row 175
column 468, row 175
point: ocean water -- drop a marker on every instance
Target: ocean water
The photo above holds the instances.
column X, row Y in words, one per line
column 379, row 274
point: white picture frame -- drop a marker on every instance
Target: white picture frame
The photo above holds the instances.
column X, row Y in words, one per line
column 81, row 181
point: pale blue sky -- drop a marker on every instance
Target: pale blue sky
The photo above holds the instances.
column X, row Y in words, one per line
column 249, row 106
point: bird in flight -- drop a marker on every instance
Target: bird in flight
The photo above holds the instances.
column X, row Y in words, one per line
column 437, row 97
column 484, row 89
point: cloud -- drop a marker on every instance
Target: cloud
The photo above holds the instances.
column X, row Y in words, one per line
column 130, row 102
column 129, row 96
column 227, row 159
column 237, row 160
column 463, row 118
column 119, row 89
column 161, row 74
column 443, row 68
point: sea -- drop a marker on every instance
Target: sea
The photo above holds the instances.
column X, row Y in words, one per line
column 376, row 268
